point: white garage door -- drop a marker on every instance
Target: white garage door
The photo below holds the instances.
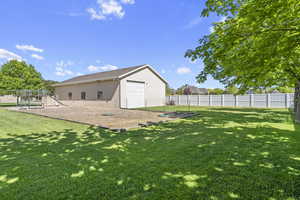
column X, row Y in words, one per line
column 135, row 94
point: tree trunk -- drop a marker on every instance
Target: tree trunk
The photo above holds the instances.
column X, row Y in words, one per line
column 297, row 102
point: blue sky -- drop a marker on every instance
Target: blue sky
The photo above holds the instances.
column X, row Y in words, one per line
column 66, row 38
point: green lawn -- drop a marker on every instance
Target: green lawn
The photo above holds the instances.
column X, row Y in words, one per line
column 224, row 153
column 8, row 104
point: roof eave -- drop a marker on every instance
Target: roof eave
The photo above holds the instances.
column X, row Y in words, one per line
column 112, row 78
column 143, row 66
column 85, row 81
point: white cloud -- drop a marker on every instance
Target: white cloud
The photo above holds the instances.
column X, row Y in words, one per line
column 108, row 67
column 212, row 29
column 37, row 57
column 7, row 55
column 183, row 70
column 93, row 68
column 64, row 73
column 60, row 71
column 29, row 48
column 111, row 7
column 95, row 15
column 65, row 63
column 79, row 74
column 128, row 1
column 108, row 8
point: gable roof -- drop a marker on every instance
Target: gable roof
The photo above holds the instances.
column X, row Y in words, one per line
column 196, row 90
column 108, row 75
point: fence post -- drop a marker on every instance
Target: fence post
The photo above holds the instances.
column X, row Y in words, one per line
column 236, row 101
column 268, row 100
column 198, row 100
column 178, row 99
column 209, row 100
column 251, row 100
column 287, row 100
column 222, row 100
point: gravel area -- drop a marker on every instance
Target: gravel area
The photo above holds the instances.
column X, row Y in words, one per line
column 113, row 118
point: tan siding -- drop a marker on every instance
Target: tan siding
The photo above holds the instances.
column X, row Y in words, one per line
column 155, row 88
column 110, row 91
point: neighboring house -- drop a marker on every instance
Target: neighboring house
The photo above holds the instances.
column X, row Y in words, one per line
column 192, row 90
column 131, row 87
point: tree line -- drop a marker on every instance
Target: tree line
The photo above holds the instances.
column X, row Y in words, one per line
column 18, row 75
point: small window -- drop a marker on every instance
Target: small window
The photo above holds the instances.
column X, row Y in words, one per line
column 83, row 95
column 70, row 95
column 100, row 95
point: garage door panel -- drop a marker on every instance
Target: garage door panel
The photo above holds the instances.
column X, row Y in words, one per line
column 135, row 94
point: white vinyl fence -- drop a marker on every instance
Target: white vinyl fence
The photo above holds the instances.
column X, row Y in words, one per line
column 276, row 100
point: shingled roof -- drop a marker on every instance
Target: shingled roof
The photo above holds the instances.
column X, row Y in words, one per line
column 196, row 90
column 108, row 75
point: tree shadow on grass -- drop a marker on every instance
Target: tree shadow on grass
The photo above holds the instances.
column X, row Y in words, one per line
column 8, row 105
column 216, row 155
column 251, row 110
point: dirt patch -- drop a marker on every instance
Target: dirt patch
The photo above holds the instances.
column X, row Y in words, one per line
column 107, row 117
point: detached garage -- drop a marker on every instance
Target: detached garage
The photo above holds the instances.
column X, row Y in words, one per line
column 132, row 87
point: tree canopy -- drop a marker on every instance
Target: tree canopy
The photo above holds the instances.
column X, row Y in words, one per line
column 169, row 90
column 17, row 75
column 256, row 46
column 49, row 86
column 216, row 91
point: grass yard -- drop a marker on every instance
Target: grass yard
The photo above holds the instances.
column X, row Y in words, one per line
column 8, row 104
column 224, row 153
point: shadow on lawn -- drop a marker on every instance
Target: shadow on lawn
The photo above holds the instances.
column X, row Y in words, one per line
column 8, row 105
column 221, row 154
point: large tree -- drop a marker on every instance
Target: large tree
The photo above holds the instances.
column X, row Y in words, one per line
column 257, row 45
column 49, row 86
column 17, row 75
column 169, row 90
column 231, row 89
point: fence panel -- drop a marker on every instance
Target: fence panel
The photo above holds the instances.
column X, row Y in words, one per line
column 260, row 100
column 8, row 99
column 216, row 100
column 183, row 100
column 276, row 100
column 172, row 98
column 229, row 100
column 194, row 100
column 291, row 101
column 204, row 100
column 243, row 100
